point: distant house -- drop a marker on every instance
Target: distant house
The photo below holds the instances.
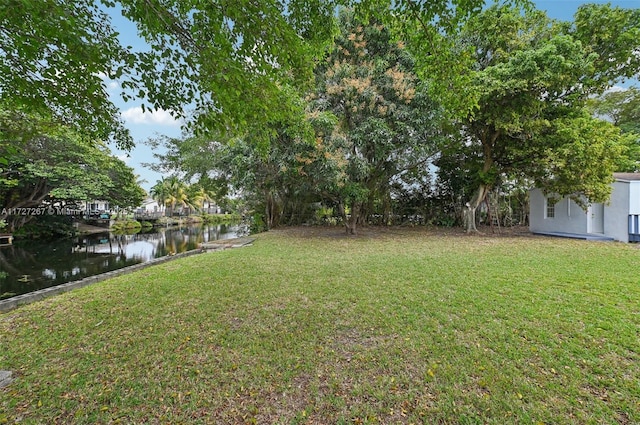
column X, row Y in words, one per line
column 96, row 208
column 618, row 220
column 150, row 209
column 149, row 206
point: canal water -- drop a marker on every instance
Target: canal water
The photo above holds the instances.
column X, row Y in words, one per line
column 27, row 266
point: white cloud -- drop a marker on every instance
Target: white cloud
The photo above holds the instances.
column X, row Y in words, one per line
column 112, row 85
column 124, row 158
column 135, row 115
column 616, row 89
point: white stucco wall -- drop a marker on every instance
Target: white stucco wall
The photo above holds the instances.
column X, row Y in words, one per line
column 625, row 200
column 634, row 197
column 569, row 217
column 616, row 213
column 536, row 210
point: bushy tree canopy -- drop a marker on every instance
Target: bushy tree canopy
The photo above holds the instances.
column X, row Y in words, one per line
column 531, row 77
column 51, row 164
column 386, row 122
column 222, row 59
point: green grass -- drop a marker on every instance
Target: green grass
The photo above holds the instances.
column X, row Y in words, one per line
column 310, row 326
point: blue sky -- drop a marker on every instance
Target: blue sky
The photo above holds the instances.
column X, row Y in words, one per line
column 147, row 125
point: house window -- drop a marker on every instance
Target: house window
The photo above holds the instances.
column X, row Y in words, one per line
column 550, row 211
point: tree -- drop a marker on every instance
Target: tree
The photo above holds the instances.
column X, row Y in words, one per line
column 53, row 55
column 586, row 153
column 198, row 196
column 386, row 123
column 159, row 193
column 53, row 164
column 169, row 193
column 124, row 190
column 176, row 194
column 622, row 108
column 263, row 163
column 531, row 77
column 223, row 58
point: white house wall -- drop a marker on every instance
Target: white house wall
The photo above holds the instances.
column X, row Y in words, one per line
column 536, row 211
column 616, row 213
column 568, row 218
column 634, row 197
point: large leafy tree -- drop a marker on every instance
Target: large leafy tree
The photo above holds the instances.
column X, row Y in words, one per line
column 622, row 108
column 124, row 190
column 52, row 164
column 53, row 55
column 429, row 29
column 386, row 123
column 269, row 176
column 531, row 77
column 222, row 58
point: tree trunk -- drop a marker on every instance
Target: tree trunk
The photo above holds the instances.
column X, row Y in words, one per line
column 352, row 221
column 272, row 211
column 342, row 212
column 469, row 212
column 268, row 211
column 471, row 207
column 386, row 210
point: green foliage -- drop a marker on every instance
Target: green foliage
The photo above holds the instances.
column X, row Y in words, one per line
column 226, row 59
column 54, row 55
column 175, row 195
column 126, row 226
column 385, row 122
column 588, row 153
column 273, row 176
column 221, row 218
column 429, row 30
column 324, row 216
column 46, row 227
column 47, row 163
column 532, row 77
column 123, row 190
column 190, row 157
column 258, row 223
column 611, row 37
column 622, row 108
column 171, row 193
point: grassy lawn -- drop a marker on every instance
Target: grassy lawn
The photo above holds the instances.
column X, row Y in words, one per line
column 310, row 326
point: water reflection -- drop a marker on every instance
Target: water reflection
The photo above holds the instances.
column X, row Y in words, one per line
column 27, row 267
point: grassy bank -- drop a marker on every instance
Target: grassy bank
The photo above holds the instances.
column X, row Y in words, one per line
column 310, row 326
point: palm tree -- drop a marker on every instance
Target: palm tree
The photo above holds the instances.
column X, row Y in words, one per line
column 176, row 193
column 159, row 193
column 198, row 196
